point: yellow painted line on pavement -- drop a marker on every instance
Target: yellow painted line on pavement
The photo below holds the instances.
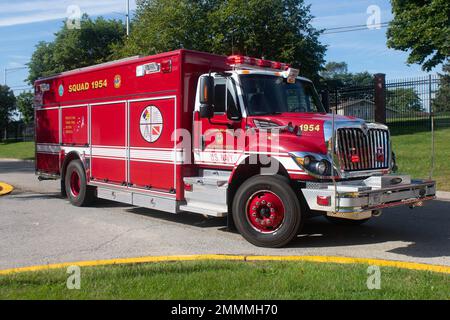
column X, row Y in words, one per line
column 150, row 259
column 5, row 188
column 349, row 260
column 205, row 257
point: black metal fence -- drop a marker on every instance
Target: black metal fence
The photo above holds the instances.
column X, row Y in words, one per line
column 409, row 103
column 17, row 131
column 356, row 101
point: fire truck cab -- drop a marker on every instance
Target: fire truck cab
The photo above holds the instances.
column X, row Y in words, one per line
column 215, row 135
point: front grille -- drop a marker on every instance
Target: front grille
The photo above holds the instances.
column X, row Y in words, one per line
column 359, row 151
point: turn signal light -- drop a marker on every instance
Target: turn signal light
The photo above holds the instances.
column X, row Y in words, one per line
column 324, row 201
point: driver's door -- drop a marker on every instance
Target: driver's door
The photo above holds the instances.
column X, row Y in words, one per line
column 217, row 141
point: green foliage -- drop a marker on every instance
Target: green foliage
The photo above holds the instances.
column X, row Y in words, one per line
column 276, row 30
column 442, row 101
column 24, row 104
column 336, row 75
column 403, row 100
column 75, row 48
column 7, row 106
column 422, row 28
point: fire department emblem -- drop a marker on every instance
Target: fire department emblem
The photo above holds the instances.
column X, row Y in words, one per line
column 61, row 90
column 117, row 81
column 151, row 124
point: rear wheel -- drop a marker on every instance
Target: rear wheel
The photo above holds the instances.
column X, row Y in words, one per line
column 77, row 190
column 266, row 211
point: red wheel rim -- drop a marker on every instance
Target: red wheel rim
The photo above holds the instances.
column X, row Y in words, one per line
column 265, row 211
column 75, row 184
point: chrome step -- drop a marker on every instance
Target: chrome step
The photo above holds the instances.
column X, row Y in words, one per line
column 211, row 210
column 207, row 194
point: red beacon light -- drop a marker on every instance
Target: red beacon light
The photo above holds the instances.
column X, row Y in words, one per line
column 244, row 62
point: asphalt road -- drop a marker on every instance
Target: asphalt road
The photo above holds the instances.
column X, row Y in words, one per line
column 37, row 226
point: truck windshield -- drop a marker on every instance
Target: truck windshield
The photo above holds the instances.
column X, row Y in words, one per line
column 267, row 94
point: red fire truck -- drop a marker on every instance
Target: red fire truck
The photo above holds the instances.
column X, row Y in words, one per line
column 215, row 135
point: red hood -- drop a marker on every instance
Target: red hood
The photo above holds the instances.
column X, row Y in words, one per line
column 300, row 118
column 312, row 138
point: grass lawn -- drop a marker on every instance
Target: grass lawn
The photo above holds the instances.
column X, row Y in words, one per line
column 413, row 153
column 17, row 150
column 227, row 280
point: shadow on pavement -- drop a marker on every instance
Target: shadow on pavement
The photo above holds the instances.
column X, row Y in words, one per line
column 425, row 231
column 16, row 166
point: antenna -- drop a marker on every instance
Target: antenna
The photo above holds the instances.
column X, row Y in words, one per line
column 333, row 144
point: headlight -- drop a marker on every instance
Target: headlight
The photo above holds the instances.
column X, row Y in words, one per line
column 321, row 167
column 318, row 167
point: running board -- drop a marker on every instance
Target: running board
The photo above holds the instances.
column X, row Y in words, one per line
column 207, row 194
column 201, row 209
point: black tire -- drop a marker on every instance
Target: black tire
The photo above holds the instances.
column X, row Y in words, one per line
column 346, row 222
column 293, row 215
column 85, row 194
column 63, row 188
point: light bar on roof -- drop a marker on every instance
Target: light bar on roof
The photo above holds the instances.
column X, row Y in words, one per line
column 243, row 62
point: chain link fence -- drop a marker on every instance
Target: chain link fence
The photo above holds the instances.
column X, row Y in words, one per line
column 17, row 131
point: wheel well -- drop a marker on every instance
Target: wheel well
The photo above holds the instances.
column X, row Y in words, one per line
column 67, row 159
column 251, row 167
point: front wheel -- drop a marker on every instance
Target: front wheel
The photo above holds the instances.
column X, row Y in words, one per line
column 266, row 211
column 77, row 190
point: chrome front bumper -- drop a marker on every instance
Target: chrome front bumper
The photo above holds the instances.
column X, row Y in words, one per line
column 357, row 198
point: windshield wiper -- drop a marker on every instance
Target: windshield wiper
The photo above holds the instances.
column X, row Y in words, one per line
column 273, row 113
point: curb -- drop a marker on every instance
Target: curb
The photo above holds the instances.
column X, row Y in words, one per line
column 443, row 195
column 17, row 160
column 243, row 258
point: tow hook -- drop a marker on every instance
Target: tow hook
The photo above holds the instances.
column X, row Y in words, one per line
column 376, row 213
column 416, row 204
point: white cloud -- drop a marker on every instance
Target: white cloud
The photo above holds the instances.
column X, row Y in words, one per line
column 27, row 12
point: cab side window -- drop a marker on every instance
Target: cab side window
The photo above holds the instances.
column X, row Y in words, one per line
column 225, row 100
column 219, row 98
column 232, row 108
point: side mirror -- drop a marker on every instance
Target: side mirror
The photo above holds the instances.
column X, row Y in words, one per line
column 207, row 90
column 206, row 97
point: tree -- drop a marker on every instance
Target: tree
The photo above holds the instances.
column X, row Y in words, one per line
column 335, row 75
column 7, row 106
column 422, row 28
column 273, row 29
column 441, row 103
column 334, row 70
column 75, row 48
column 403, row 100
column 24, row 103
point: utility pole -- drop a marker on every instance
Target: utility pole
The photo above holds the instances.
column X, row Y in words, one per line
column 128, row 18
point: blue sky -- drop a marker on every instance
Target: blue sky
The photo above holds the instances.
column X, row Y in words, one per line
column 23, row 23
